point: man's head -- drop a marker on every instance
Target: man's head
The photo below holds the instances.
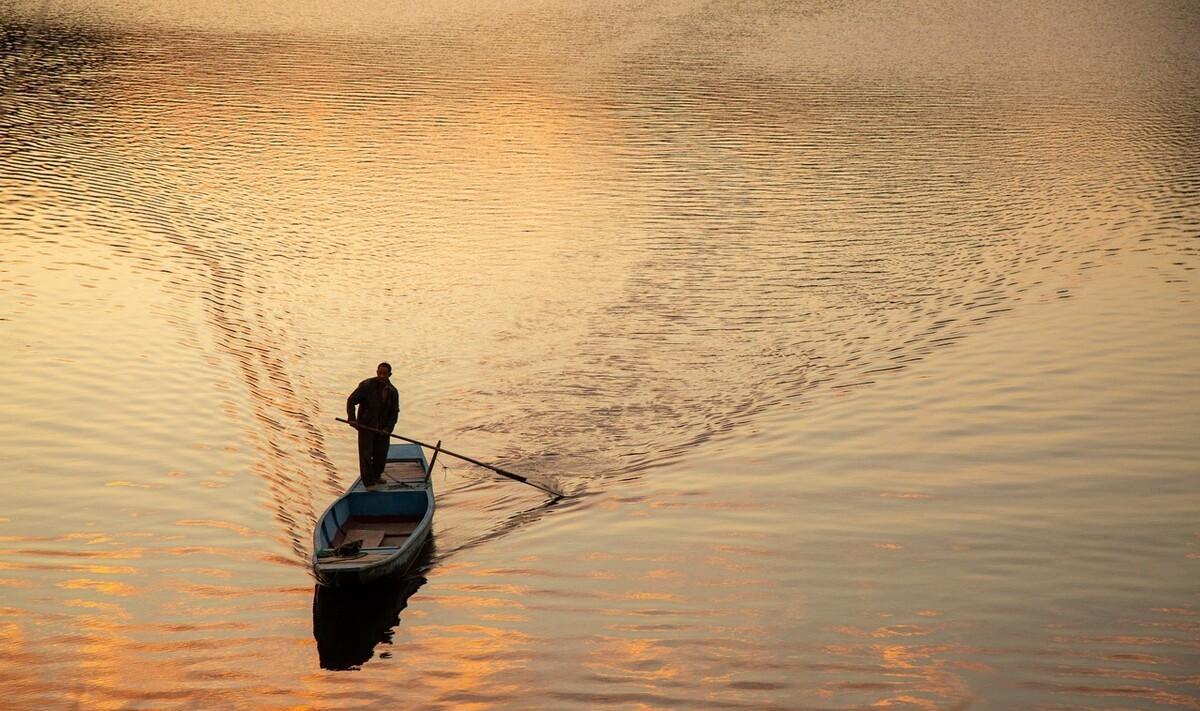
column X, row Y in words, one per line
column 383, row 371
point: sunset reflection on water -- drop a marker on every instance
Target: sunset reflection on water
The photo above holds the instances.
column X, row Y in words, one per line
column 862, row 338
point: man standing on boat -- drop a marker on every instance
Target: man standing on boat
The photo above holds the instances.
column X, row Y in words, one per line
column 378, row 405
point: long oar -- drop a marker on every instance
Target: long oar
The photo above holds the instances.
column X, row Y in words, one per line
column 463, row 457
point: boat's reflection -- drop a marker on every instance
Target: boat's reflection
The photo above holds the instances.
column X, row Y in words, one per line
column 348, row 623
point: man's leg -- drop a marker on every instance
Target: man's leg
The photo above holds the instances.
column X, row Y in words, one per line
column 379, row 456
column 366, row 443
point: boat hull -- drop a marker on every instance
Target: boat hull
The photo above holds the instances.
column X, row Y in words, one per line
column 340, row 575
column 369, row 534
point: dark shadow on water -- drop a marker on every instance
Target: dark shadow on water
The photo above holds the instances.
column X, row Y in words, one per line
column 349, row 623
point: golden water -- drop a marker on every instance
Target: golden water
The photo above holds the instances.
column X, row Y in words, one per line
column 865, row 339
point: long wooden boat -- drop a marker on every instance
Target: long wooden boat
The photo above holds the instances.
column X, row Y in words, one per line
column 391, row 522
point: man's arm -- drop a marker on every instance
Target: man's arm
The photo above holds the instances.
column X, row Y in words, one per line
column 354, row 399
column 393, row 412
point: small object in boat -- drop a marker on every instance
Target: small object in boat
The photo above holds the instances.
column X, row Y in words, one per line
column 353, row 549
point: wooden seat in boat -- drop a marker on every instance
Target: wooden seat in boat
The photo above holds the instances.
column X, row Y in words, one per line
column 404, row 472
column 376, row 531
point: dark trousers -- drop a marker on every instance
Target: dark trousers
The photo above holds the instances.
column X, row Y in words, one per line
column 372, row 455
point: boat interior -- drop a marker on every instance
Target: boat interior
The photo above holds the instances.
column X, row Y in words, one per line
column 380, row 519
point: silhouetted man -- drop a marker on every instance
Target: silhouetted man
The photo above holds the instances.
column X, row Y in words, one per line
column 378, row 407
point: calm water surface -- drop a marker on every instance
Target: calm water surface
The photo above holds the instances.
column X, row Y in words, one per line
column 864, row 338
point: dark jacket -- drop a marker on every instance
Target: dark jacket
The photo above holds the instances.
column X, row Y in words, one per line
column 378, row 404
